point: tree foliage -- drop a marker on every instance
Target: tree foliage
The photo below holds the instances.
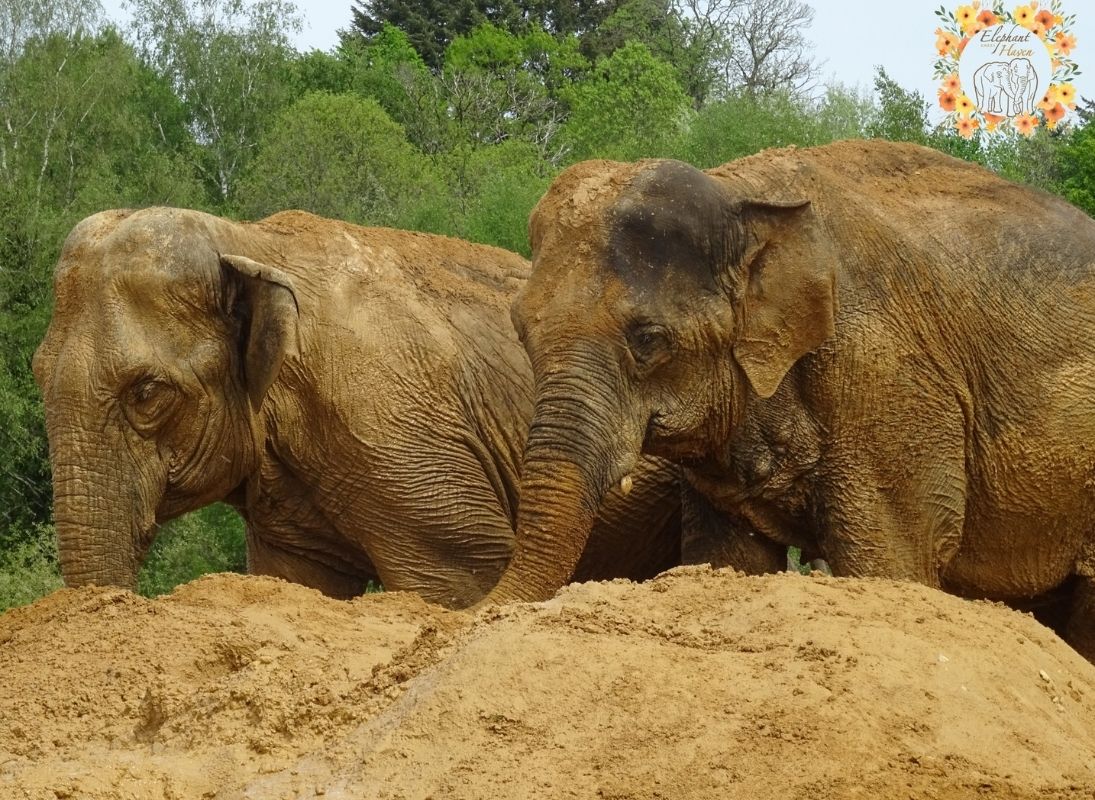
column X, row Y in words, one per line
column 225, row 59
column 1076, row 162
column 901, row 114
column 342, row 156
column 443, row 117
column 632, row 105
column 430, row 25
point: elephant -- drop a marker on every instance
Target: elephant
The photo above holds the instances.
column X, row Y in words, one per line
column 873, row 351
column 358, row 395
column 1016, row 81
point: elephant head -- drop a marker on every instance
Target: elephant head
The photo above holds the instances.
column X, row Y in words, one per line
column 163, row 343
column 661, row 300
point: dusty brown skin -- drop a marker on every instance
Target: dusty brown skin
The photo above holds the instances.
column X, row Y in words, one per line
column 872, row 351
column 358, row 394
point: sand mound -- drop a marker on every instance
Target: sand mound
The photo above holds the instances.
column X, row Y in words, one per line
column 697, row 684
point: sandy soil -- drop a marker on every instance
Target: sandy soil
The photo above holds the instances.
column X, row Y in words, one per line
column 698, row 684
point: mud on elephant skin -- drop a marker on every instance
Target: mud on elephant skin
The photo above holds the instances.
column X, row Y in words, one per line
column 357, row 394
column 870, row 350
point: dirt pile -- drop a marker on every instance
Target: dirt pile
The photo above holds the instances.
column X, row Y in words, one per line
column 697, row 684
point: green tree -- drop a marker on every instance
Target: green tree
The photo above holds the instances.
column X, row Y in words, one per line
column 500, row 186
column 227, row 61
column 317, row 71
column 500, row 87
column 630, row 106
column 742, row 124
column 430, row 25
column 342, row 156
column 24, row 20
column 901, row 115
column 1076, row 162
column 388, row 69
column 84, row 127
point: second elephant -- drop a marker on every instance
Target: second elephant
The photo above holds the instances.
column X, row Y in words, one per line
column 1006, row 87
column 357, row 394
column 869, row 350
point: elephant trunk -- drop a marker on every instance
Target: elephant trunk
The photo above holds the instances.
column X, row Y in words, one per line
column 576, row 452
column 104, row 525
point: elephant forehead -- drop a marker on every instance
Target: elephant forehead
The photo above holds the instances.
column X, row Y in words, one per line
column 673, row 221
column 578, row 201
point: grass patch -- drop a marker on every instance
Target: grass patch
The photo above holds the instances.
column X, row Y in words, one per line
column 209, row 540
column 29, row 569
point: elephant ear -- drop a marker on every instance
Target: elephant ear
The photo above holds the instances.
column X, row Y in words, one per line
column 264, row 302
column 788, row 304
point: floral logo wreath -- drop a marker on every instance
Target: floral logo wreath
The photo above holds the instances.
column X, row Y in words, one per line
column 1047, row 23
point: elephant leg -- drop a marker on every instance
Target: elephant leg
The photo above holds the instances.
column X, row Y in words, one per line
column 895, row 508
column 993, row 101
column 289, row 537
column 266, row 558
column 439, row 524
column 708, row 536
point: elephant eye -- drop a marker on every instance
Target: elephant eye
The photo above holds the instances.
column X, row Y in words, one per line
column 650, row 344
column 147, row 404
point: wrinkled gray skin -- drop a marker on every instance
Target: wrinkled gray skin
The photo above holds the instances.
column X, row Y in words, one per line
column 357, row 394
column 872, row 351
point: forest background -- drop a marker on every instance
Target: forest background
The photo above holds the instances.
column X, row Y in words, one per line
column 447, row 117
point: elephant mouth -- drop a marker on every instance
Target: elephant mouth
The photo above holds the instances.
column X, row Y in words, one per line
column 665, row 442
column 656, row 434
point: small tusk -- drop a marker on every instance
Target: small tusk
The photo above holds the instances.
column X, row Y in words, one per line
column 625, row 485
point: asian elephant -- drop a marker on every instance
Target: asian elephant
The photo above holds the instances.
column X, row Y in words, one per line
column 359, row 395
column 873, row 351
column 1006, row 87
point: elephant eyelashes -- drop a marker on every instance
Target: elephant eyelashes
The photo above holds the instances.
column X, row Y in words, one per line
column 147, row 404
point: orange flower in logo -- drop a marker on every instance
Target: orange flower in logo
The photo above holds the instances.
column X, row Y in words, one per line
column 1045, row 18
column 1055, row 115
column 947, row 100
column 1023, row 15
column 1038, row 29
column 944, row 42
column 1026, row 124
column 987, row 18
column 992, row 120
column 1048, row 101
column 951, row 83
column 966, row 126
column 1065, row 42
column 963, row 105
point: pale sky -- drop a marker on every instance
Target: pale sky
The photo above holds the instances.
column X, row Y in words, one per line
column 851, row 38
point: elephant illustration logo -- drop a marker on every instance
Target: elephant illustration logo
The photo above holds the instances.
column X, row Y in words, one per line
column 1007, row 70
column 1007, row 88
